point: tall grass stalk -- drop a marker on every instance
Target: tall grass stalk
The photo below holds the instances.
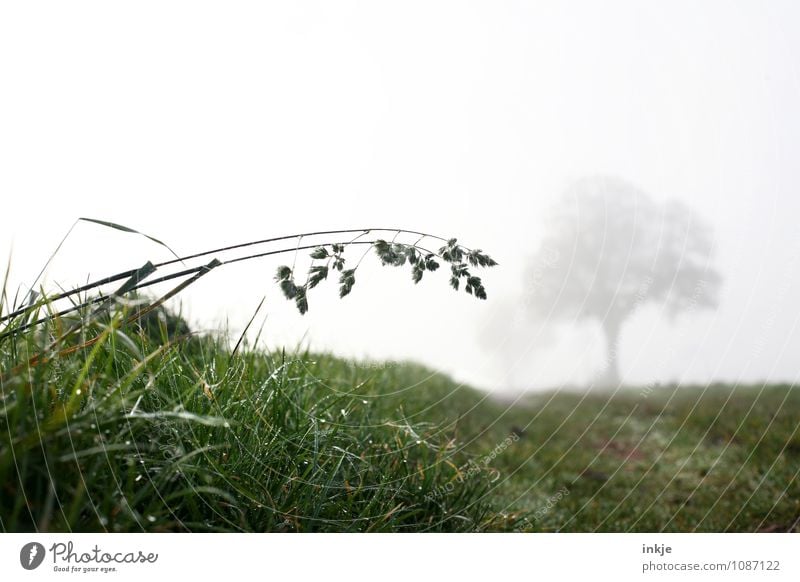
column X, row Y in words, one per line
column 108, row 425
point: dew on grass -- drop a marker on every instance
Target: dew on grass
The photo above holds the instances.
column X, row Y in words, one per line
column 151, row 518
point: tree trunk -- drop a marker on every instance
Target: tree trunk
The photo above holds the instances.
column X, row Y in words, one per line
column 611, row 328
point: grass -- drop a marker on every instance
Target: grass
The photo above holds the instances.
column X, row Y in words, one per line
column 715, row 458
column 143, row 431
column 134, row 434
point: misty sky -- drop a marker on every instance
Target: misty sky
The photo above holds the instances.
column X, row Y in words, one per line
column 212, row 123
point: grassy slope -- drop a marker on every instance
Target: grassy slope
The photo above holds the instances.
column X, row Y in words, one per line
column 126, row 436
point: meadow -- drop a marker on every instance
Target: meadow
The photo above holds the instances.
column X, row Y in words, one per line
column 115, row 416
column 145, row 427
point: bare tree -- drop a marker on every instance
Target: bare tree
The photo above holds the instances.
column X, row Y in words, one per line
column 609, row 249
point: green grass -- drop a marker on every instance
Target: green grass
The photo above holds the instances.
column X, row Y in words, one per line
column 135, row 433
column 697, row 458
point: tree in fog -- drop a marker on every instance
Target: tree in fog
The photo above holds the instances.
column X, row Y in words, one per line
column 609, row 249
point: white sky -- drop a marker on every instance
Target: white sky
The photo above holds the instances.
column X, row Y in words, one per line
column 206, row 123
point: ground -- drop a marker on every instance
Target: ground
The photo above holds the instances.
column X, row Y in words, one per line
column 135, row 432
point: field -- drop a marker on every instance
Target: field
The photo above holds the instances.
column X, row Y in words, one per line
column 128, row 428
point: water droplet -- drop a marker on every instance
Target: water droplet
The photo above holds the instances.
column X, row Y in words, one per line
column 127, row 442
column 151, row 518
column 419, row 442
column 364, row 401
column 138, row 478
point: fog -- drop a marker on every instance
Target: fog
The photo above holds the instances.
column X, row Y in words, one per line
column 208, row 125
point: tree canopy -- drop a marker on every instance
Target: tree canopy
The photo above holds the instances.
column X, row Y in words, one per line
column 610, row 249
